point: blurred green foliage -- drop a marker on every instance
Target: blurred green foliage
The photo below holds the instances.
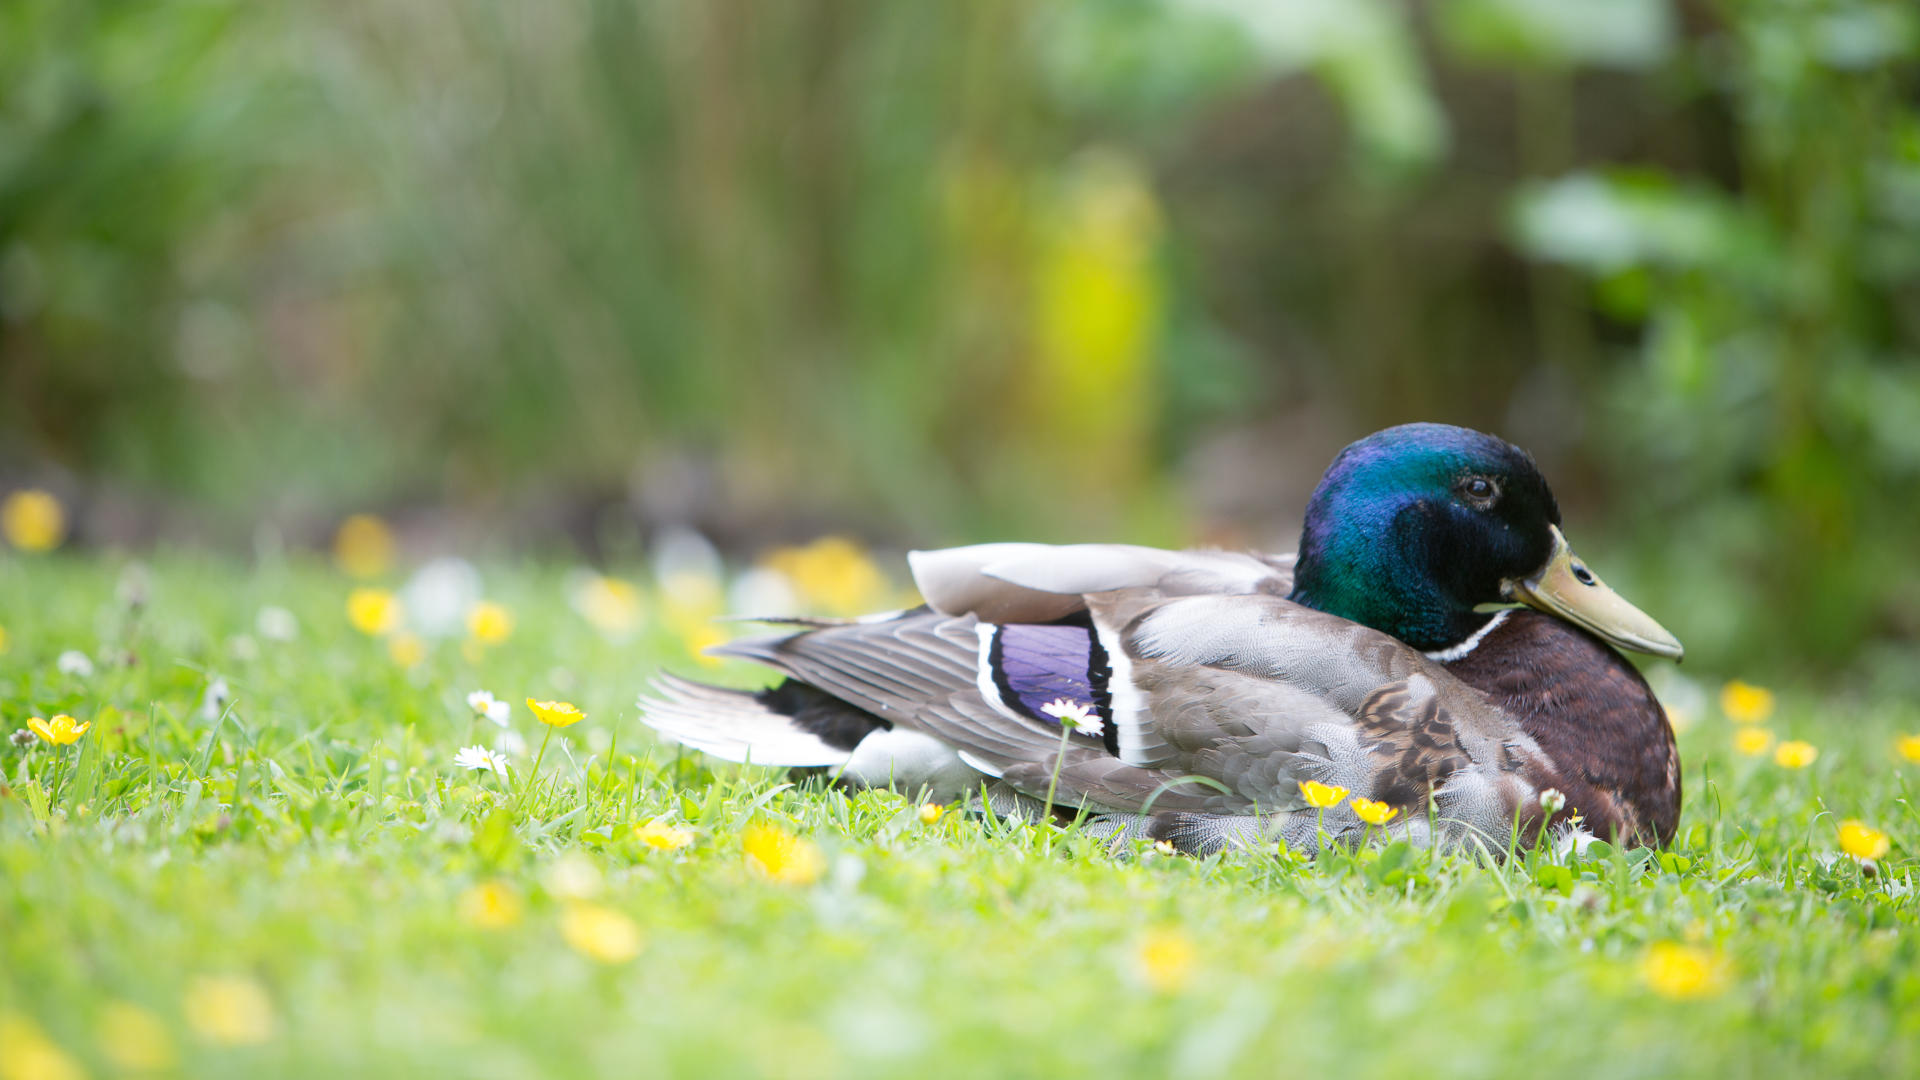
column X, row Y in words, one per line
column 969, row 270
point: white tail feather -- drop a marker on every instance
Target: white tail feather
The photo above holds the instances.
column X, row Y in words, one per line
column 732, row 725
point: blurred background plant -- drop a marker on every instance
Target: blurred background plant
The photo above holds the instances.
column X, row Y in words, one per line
column 575, row 273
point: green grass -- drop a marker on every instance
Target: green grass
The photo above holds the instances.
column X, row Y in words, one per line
column 318, row 839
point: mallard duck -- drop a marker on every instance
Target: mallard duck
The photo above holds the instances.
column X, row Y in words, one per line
column 1435, row 646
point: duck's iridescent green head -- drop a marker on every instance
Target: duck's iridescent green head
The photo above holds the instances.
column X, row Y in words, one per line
column 1421, row 530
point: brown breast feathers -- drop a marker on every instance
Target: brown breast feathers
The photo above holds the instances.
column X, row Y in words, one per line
column 1594, row 717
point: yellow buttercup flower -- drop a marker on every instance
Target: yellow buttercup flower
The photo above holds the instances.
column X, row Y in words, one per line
column 833, row 573
column 1166, row 960
column 701, row 636
column 1795, row 754
column 690, row 596
column 1371, row 812
column 363, row 547
column 1863, row 841
column 610, row 604
column 134, row 1039
column 374, row 611
column 600, row 933
column 1745, row 703
column 4, row 642
column 406, row 649
column 661, row 836
column 61, row 730
column 1753, row 741
column 782, row 856
column 229, row 1010
column 1322, row 796
column 493, row 905
column 1682, row 971
column 489, row 623
column 1908, row 746
column 556, row 713
column 27, row 1054
column 33, row 520
column 930, row 812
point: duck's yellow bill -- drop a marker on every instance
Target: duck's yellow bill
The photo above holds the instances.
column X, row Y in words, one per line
column 1565, row 587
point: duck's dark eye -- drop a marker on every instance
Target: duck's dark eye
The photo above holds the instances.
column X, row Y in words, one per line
column 1480, row 491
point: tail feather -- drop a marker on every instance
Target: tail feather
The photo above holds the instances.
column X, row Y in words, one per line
column 734, row 725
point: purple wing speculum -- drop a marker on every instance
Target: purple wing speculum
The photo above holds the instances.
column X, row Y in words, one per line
column 1035, row 665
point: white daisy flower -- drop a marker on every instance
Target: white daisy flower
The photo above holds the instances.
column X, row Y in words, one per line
column 509, row 743
column 685, row 559
column 1075, row 715
column 276, row 624
column 486, row 705
column 75, row 662
column 1572, row 840
column 439, row 595
column 765, row 590
column 479, row 757
column 217, row 697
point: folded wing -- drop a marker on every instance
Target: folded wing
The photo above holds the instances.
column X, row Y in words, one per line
column 1216, row 697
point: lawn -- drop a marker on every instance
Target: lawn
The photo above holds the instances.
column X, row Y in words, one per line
column 299, row 881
